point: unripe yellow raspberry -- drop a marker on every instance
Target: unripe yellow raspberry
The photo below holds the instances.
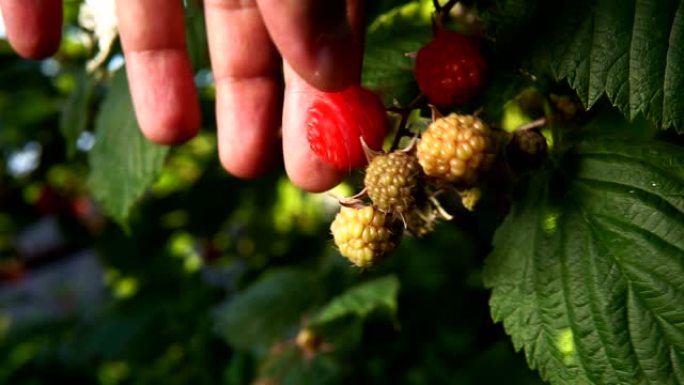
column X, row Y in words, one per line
column 455, row 148
column 392, row 181
column 365, row 235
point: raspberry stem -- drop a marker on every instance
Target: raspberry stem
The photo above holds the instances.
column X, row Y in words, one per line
column 540, row 122
column 405, row 112
column 439, row 208
column 441, row 13
column 355, row 200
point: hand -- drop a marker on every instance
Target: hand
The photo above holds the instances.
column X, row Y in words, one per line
column 318, row 44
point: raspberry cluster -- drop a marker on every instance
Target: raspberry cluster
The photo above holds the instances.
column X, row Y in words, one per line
column 404, row 189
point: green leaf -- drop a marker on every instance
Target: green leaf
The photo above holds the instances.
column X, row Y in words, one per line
column 195, row 31
column 74, row 116
column 587, row 270
column 630, row 50
column 361, row 300
column 267, row 310
column 386, row 68
column 289, row 366
column 122, row 162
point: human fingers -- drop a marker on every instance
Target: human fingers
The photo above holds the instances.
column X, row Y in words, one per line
column 34, row 27
column 304, row 168
column 321, row 40
column 159, row 70
column 246, row 70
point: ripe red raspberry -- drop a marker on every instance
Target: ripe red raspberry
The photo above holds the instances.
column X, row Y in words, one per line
column 365, row 235
column 392, row 181
column 455, row 148
column 337, row 120
column 450, row 69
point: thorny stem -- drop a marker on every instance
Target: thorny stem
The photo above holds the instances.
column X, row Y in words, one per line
column 405, row 112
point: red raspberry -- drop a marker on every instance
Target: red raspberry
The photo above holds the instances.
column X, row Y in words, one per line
column 450, row 69
column 337, row 120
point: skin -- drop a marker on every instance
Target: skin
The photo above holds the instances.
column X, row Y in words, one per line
column 316, row 46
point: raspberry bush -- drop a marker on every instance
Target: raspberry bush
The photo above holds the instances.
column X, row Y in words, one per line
column 512, row 213
column 560, row 160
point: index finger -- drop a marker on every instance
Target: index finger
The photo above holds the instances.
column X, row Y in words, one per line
column 34, row 27
column 159, row 71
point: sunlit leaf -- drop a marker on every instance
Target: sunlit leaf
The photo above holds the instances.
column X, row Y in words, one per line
column 361, row 300
column 387, row 69
column 630, row 50
column 123, row 163
column 587, row 270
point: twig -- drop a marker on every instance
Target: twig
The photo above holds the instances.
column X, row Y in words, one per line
column 440, row 209
column 540, row 122
column 354, row 200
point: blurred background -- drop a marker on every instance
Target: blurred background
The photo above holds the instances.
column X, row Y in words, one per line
column 209, row 279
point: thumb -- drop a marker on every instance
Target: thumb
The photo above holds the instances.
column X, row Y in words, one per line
column 321, row 40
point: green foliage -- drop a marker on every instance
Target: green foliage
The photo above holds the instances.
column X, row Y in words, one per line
column 266, row 311
column 75, row 112
column 291, row 368
column 633, row 54
column 196, row 37
column 122, row 163
column 361, row 300
column 588, row 269
column 631, row 51
column 214, row 277
column 387, row 69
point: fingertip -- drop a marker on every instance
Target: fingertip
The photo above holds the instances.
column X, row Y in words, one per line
column 304, row 168
column 248, row 123
column 245, row 168
column 36, row 48
column 320, row 182
column 34, row 28
column 171, row 128
column 164, row 95
column 250, row 154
